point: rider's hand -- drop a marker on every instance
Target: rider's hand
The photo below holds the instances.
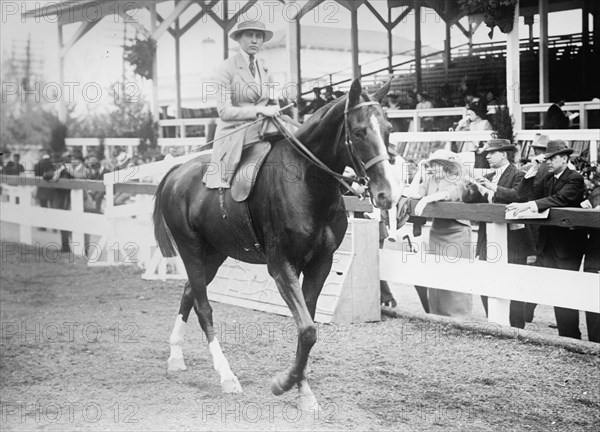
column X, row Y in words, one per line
column 269, row 111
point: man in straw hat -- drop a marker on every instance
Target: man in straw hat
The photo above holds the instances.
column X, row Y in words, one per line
column 561, row 248
column 243, row 96
column 501, row 187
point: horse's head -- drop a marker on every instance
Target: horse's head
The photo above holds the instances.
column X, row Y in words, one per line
column 367, row 135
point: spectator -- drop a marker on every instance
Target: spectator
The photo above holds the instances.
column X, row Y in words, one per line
column 561, row 248
column 591, row 262
column 501, row 187
column 44, row 195
column 443, row 183
column 555, row 118
column 14, row 167
column 423, row 102
column 475, row 120
column 329, row 96
column 539, row 147
column 393, row 103
column 316, row 103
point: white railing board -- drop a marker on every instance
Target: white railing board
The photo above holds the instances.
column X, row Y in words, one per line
column 569, row 289
column 448, row 136
column 89, row 223
column 187, row 122
column 181, row 142
column 82, row 142
column 562, row 134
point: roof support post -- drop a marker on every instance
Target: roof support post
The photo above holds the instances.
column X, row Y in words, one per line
column 155, row 108
column 544, row 90
column 354, row 41
column 418, row 77
column 513, row 70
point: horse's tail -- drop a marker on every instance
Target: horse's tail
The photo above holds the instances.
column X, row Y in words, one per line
column 161, row 230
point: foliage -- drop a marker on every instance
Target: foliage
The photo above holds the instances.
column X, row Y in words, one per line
column 140, row 54
column 495, row 12
column 126, row 120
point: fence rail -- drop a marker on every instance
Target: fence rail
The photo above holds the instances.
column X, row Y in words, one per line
column 131, row 224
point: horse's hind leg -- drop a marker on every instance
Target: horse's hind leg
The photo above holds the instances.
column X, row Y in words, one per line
column 176, row 362
column 201, row 266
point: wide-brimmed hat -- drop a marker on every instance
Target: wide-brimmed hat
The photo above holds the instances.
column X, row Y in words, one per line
column 251, row 25
column 557, row 147
column 444, row 157
column 540, row 141
column 499, row 145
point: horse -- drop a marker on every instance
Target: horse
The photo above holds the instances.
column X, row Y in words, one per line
column 297, row 213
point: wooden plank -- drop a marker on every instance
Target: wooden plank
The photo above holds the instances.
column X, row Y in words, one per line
column 564, row 217
column 396, row 137
column 569, row 289
column 30, row 180
column 89, row 223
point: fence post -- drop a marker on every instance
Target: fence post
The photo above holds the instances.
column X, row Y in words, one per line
column 77, row 237
column 498, row 309
column 25, row 199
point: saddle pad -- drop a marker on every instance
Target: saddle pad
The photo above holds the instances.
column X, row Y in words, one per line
column 245, row 176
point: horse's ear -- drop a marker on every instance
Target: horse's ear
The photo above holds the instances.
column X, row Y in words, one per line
column 355, row 92
column 379, row 94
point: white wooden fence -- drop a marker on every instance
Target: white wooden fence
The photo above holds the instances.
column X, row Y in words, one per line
column 131, row 223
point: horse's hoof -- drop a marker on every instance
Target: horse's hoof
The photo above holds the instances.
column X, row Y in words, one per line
column 231, row 385
column 309, row 405
column 176, row 364
column 279, row 385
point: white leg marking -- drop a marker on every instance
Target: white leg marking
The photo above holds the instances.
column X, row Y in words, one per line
column 176, row 362
column 229, row 382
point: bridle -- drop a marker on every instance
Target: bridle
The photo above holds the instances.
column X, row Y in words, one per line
column 359, row 167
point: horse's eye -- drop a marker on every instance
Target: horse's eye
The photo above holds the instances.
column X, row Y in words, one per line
column 359, row 131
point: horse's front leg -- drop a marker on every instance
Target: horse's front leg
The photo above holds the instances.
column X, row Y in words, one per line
column 286, row 278
column 315, row 274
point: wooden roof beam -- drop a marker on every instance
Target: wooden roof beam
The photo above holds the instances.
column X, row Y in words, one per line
column 206, row 10
column 403, row 15
column 376, row 14
column 227, row 26
column 310, row 5
column 165, row 25
column 85, row 27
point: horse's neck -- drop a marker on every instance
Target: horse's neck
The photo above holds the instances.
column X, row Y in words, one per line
column 322, row 139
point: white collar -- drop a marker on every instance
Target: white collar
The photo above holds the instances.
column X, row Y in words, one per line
column 557, row 176
column 498, row 172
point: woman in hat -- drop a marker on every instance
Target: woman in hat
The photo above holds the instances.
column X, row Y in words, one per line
column 439, row 178
column 475, row 120
column 244, row 94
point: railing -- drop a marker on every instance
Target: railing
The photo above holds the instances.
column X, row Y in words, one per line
column 130, row 235
column 581, row 109
column 182, row 124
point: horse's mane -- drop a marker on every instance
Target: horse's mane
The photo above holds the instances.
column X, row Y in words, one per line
column 323, row 117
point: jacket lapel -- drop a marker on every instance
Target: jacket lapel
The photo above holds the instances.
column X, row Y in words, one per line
column 250, row 85
column 558, row 184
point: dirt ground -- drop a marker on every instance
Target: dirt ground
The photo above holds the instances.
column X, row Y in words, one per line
column 85, row 349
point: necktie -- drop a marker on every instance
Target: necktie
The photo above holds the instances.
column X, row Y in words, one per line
column 552, row 185
column 252, row 66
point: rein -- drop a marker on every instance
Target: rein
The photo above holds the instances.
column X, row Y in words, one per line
column 359, row 167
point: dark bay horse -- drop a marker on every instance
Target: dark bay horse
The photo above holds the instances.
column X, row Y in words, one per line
column 298, row 216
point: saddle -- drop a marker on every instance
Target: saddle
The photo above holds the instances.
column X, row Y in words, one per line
column 252, row 159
